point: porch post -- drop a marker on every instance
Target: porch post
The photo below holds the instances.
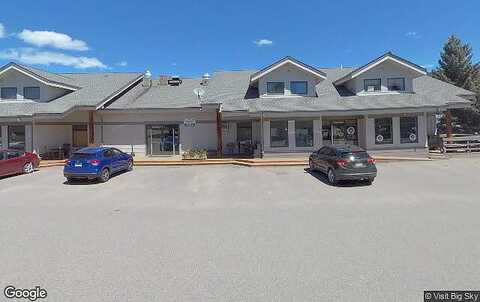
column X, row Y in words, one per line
column 4, row 135
column 448, row 121
column 219, row 134
column 317, row 133
column 262, row 151
column 33, row 136
column 91, row 128
column 425, row 122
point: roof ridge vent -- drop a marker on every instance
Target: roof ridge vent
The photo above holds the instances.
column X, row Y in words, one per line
column 175, row 81
column 147, row 79
column 205, row 79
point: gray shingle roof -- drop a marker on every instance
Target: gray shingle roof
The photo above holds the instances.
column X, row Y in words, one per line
column 231, row 89
column 429, row 92
column 93, row 89
column 161, row 97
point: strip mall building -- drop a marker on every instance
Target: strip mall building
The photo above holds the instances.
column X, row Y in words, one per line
column 288, row 107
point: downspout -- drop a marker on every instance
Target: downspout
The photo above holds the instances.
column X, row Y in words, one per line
column 448, row 121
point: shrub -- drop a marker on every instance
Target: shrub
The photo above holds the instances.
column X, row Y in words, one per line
column 198, row 154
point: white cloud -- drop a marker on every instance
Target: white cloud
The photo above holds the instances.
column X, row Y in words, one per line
column 263, row 42
column 428, row 66
column 53, row 39
column 413, row 34
column 3, row 32
column 36, row 57
column 122, row 63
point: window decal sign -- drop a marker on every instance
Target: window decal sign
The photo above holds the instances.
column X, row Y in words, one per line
column 351, row 130
column 412, row 137
column 379, row 138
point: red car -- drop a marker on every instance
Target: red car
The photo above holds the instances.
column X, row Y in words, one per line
column 15, row 162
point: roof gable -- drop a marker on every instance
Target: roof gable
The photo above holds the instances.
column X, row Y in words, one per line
column 282, row 62
column 47, row 78
column 384, row 58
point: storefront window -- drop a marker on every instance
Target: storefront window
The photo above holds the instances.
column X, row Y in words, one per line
column 408, row 130
column 279, row 134
column 304, row 133
column 383, row 131
column 16, row 138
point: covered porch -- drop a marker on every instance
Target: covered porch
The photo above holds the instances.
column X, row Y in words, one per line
column 53, row 138
column 297, row 135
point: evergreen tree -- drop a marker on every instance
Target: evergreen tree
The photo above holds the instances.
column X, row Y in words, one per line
column 456, row 67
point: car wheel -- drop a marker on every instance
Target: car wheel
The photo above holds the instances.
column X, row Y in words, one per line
column 311, row 166
column 332, row 179
column 130, row 165
column 28, row 168
column 370, row 181
column 69, row 179
column 104, row 175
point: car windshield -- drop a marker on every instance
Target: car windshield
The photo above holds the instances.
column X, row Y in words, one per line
column 79, row 156
column 356, row 155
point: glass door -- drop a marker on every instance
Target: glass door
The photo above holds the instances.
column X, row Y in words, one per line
column 163, row 139
column 244, row 138
column 344, row 132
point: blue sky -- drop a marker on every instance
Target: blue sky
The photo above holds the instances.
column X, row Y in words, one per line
column 189, row 38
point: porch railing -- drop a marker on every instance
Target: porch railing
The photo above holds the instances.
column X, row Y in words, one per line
column 462, row 143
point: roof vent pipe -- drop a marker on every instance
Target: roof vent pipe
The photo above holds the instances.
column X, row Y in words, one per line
column 205, row 79
column 147, row 79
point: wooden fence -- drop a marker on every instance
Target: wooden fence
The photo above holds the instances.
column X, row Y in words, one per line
column 462, row 143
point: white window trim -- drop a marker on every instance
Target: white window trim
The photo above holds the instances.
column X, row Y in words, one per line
column 297, row 94
column 37, row 78
column 288, row 61
column 274, row 94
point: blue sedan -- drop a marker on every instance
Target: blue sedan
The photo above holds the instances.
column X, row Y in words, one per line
column 97, row 163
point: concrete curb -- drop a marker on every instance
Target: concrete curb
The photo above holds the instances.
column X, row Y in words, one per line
column 238, row 162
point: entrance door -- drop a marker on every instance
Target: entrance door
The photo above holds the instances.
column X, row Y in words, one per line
column 79, row 136
column 344, row 132
column 163, row 139
column 244, row 138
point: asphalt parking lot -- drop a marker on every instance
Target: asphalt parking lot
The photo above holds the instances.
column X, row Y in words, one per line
column 227, row 233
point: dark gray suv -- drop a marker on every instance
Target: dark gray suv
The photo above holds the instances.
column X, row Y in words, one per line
column 343, row 162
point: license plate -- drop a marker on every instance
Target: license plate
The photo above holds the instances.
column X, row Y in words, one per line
column 79, row 165
column 359, row 165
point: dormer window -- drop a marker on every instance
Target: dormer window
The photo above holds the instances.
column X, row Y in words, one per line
column 9, row 93
column 372, row 85
column 396, row 84
column 31, row 93
column 275, row 88
column 298, row 87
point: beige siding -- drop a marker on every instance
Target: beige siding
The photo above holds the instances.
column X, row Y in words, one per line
column 47, row 137
column 13, row 78
column 383, row 71
column 288, row 73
